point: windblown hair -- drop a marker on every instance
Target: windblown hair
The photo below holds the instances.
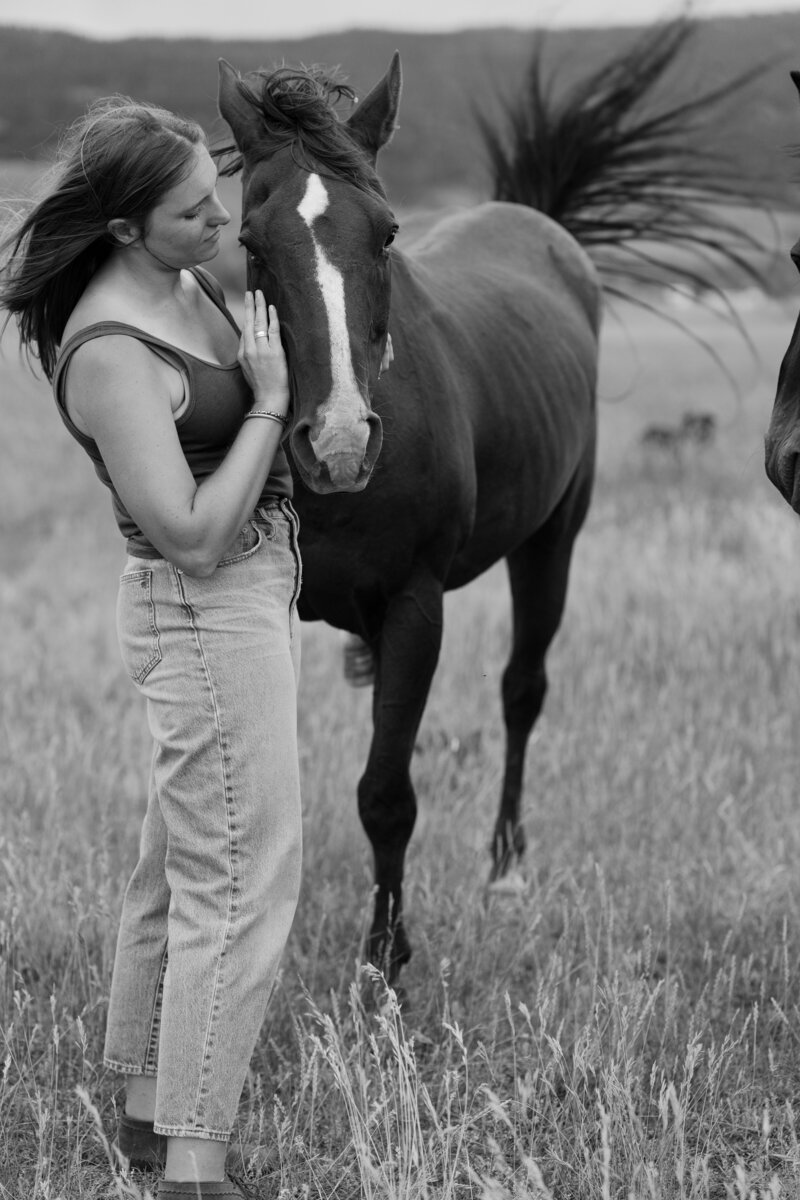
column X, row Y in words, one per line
column 117, row 161
column 297, row 108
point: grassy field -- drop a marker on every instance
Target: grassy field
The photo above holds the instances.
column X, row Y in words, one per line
column 622, row 1021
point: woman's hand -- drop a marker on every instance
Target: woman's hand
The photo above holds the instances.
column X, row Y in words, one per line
column 261, row 355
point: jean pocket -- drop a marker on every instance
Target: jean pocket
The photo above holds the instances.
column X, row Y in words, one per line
column 139, row 642
column 244, row 546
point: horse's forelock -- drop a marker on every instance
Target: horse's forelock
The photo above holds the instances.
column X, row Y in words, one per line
column 304, row 95
column 297, row 107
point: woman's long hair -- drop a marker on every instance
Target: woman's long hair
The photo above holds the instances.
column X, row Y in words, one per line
column 117, row 161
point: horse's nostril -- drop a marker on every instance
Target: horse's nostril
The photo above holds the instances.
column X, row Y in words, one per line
column 787, row 469
column 781, row 465
column 788, row 477
column 300, row 442
column 374, row 440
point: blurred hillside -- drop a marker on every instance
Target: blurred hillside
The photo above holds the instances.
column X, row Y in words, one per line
column 46, row 79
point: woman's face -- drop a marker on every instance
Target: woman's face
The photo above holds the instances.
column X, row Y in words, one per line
column 183, row 228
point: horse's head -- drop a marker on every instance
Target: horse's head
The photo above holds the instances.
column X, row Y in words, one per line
column 783, row 434
column 317, row 229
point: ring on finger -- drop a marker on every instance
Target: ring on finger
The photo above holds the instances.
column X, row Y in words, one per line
column 260, row 333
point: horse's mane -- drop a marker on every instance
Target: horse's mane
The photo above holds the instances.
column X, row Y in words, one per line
column 297, row 107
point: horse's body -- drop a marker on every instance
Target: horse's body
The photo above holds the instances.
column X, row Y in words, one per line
column 489, row 419
column 479, row 442
column 488, row 410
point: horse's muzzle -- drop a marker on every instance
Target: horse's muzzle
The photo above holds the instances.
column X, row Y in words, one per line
column 341, row 460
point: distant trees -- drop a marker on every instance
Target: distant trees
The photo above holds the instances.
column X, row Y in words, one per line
column 47, row 79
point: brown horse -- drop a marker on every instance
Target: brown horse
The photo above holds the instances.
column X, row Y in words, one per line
column 479, row 443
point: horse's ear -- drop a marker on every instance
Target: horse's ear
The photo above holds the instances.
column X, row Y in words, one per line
column 795, row 79
column 375, row 118
column 236, row 110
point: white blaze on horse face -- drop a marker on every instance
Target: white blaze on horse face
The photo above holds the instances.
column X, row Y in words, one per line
column 345, row 407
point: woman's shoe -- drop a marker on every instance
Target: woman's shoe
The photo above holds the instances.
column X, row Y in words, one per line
column 226, row 1189
column 144, row 1149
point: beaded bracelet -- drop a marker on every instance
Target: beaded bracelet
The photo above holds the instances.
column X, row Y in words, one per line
column 265, row 412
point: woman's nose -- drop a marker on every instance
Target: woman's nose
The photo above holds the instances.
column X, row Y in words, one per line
column 220, row 215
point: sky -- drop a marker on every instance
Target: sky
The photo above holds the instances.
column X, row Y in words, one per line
column 296, row 18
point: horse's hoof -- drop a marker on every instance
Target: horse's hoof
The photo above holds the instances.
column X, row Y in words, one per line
column 509, row 862
column 395, row 996
column 510, row 885
column 389, row 953
column 380, row 996
column 507, row 851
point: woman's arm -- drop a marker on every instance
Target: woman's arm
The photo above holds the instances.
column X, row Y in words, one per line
column 126, row 410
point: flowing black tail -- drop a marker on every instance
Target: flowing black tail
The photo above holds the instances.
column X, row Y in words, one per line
column 627, row 173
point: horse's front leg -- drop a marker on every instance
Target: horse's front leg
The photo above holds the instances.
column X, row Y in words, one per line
column 408, row 650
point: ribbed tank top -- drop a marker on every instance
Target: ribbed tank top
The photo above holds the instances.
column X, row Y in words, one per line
column 218, row 398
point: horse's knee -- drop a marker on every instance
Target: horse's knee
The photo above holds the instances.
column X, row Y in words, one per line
column 388, row 810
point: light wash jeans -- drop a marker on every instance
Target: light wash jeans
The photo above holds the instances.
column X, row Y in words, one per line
column 209, row 906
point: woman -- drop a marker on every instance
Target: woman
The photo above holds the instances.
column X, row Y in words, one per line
column 183, row 419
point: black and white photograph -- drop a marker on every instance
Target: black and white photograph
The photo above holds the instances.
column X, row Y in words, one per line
column 400, row 600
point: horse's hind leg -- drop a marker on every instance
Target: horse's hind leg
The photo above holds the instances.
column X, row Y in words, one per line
column 538, row 573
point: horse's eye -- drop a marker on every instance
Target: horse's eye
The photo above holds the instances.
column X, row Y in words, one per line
column 391, row 237
column 251, row 257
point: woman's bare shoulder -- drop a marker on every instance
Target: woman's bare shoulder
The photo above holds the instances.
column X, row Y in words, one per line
column 112, row 355
column 98, row 305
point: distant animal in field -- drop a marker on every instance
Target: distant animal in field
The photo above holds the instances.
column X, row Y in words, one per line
column 479, row 443
column 782, row 443
column 694, row 429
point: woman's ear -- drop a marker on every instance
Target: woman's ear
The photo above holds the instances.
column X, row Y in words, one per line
column 123, row 232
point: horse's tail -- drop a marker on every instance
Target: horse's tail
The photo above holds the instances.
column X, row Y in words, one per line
column 628, row 174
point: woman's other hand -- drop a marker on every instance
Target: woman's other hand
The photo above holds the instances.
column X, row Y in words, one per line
column 261, row 355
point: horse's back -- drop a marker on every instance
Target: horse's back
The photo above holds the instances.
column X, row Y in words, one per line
column 497, row 241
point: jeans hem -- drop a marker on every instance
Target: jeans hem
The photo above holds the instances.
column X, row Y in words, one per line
column 129, row 1068
column 208, row 1135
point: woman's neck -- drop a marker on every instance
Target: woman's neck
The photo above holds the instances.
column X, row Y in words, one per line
column 138, row 269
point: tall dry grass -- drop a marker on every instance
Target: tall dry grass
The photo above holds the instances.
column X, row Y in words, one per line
column 621, row 1020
